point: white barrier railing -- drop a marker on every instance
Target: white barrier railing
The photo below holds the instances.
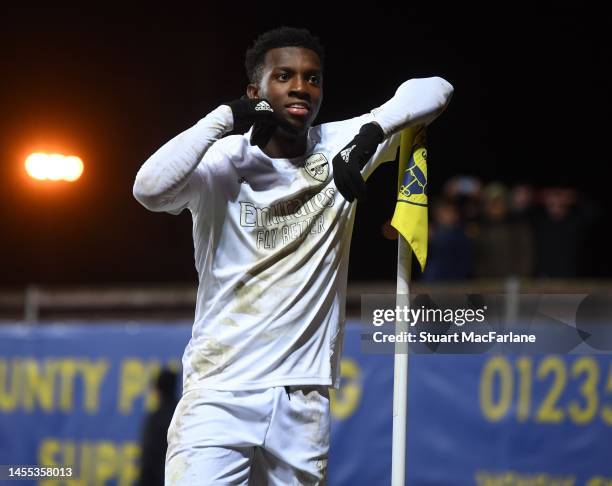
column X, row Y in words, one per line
column 39, row 303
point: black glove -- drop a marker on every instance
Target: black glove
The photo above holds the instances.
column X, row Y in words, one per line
column 353, row 157
column 258, row 112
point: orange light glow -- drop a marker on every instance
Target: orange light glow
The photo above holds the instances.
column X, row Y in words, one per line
column 54, row 167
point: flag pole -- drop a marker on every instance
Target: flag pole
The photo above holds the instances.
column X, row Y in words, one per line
column 410, row 220
column 400, row 369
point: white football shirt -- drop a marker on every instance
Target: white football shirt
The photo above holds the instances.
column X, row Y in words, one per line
column 271, row 239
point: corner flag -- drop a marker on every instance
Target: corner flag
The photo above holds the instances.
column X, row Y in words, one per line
column 410, row 216
column 410, row 219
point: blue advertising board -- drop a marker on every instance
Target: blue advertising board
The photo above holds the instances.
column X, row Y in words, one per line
column 77, row 394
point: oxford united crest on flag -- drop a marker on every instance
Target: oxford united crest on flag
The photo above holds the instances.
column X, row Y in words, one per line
column 410, row 216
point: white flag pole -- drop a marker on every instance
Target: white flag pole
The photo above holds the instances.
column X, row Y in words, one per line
column 400, row 370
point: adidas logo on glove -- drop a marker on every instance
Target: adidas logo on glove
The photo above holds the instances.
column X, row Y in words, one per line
column 263, row 106
column 346, row 153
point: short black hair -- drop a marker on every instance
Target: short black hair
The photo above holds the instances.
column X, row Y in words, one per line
column 280, row 37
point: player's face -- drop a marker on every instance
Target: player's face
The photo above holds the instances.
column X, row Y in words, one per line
column 292, row 76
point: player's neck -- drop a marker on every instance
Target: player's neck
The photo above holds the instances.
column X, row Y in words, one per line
column 282, row 146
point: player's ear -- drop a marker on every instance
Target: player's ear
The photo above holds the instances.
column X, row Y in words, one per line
column 253, row 91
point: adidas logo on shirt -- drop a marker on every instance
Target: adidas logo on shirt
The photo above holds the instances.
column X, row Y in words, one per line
column 346, row 153
column 263, row 106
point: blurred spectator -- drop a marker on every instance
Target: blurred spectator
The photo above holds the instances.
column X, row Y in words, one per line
column 522, row 203
column 450, row 250
column 464, row 192
column 561, row 230
column 154, row 434
column 503, row 244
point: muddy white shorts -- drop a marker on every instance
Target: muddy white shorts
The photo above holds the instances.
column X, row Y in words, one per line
column 274, row 436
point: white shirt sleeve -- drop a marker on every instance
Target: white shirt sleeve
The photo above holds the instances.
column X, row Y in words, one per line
column 417, row 101
column 168, row 181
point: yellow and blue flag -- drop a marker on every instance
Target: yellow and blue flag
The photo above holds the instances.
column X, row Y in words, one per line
column 410, row 216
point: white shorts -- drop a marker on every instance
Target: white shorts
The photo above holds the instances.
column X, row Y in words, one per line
column 275, row 436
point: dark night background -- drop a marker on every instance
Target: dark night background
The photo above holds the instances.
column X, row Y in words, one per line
column 531, row 104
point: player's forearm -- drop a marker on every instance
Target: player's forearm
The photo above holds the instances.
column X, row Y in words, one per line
column 165, row 173
column 417, row 101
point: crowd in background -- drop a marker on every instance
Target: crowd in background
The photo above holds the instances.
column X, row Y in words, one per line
column 496, row 231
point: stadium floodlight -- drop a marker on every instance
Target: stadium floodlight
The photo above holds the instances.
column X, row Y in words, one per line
column 54, row 167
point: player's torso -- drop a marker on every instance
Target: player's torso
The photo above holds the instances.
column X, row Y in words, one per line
column 271, row 258
column 284, row 214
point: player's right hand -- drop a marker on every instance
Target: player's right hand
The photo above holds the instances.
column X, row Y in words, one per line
column 258, row 112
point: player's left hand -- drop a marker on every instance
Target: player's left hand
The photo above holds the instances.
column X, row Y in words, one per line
column 347, row 164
